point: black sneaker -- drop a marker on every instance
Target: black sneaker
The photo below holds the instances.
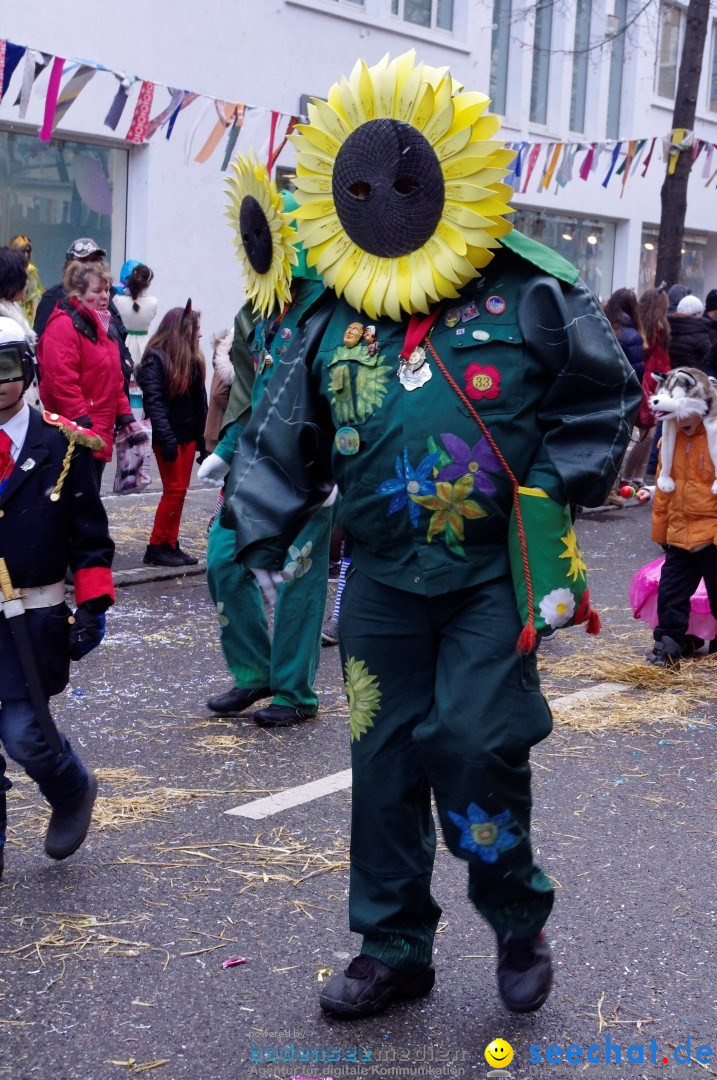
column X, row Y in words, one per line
column 525, row 972
column 368, row 986
column 237, row 699
column 162, row 555
column 666, row 653
column 188, row 560
column 67, row 831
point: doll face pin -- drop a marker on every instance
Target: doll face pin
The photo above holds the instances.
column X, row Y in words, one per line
column 354, row 333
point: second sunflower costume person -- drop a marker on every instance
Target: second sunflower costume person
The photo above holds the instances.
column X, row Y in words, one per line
column 282, row 666
column 496, row 376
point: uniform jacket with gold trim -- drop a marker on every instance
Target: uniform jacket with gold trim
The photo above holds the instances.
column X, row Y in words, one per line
column 41, row 538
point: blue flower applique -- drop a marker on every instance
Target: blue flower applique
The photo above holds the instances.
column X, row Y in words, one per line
column 409, row 481
column 483, row 835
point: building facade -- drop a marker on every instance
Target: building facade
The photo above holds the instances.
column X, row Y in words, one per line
column 573, row 78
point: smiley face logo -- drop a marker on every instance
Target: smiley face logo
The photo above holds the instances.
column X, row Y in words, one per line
column 499, row 1053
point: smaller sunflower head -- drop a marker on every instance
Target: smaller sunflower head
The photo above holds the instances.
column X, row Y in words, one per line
column 263, row 235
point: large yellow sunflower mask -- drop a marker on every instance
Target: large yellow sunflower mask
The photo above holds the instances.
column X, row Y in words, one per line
column 263, row 235
column 397, row 179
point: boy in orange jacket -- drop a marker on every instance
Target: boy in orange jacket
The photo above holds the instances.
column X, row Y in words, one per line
column 684, row 522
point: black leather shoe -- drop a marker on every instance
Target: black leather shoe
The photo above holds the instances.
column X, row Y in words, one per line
column 67, row 831
column 368, row 986
column 162, row 555
column 280, row 716
column 188, row 560
column 237, row 699
column 525, row 972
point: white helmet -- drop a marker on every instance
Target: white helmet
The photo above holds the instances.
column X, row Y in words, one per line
column 14, row 346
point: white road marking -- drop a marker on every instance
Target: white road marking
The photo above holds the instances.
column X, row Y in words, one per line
column 295, row 796
column 304, row 793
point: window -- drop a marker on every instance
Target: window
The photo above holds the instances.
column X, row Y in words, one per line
column 617, row 61
column 54, row 192
column 713, row 71
column 669, row 50
column 541, row 61
column 583, row 14
column 694, row 260
column 587, row 243
column 500, row 43
column 436, row 14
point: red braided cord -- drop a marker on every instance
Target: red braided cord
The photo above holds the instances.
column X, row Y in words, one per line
column 516, row 499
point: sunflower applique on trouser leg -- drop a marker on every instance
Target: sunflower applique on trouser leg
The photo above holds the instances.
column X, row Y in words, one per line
column 439, row 699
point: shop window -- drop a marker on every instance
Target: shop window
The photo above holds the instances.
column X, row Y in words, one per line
column 713, row 71
column 692, row 270
column 617, row 62
column 57, row 191
column 587, row 243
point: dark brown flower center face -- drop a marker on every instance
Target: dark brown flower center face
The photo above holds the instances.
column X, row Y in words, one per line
column 388, row 188
column 255, row 234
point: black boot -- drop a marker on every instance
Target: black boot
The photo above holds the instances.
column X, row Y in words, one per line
column 188, row 560
column 368, row 986
column 162, row 555
column 280, row 716
column 525, row 972
column 68, row 829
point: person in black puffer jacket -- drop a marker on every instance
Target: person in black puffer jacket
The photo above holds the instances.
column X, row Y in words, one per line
column 171, row 375
column 623, row 315
column 690, row 344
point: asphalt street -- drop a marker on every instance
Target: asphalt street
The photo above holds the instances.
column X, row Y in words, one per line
column 112, row 963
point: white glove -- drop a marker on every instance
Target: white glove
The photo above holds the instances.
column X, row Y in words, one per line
column 213, row 470
column 268, row 581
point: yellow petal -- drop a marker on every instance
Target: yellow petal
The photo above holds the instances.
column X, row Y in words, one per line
column 385, row 83
column 487, row 126
column 314, row 207
column 312, row 233
column 319, row 138
column 339, row 275
column 379, row 285
column 359, row 282
column 362, row 87
column 349, row 104
column 314, row 185
column 443, row 113
column 323, row 116
column 453, row 144
column 452, row 237
column 423, row 108
column 408, row 94
column 312, row 163
column 404, row 276
column 462, row 216
column 326, row 254
column 391, row 306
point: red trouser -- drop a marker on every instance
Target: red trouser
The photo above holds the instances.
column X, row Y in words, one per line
column 175, row 481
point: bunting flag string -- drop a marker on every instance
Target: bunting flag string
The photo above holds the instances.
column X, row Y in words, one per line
column 71, row 91
column 53, row 89
column 114, row 113
column 140, row 120
column 560, row 159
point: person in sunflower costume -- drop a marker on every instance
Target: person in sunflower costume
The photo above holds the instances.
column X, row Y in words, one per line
column 496, row 374
column 281, row 289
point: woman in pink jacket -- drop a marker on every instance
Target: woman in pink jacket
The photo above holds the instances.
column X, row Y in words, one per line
column 79, row 363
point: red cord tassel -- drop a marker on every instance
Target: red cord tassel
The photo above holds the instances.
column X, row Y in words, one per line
column 528, row 639
column 594, row 625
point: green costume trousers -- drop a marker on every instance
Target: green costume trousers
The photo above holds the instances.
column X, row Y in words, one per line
column 439, row 700
column 287, row 662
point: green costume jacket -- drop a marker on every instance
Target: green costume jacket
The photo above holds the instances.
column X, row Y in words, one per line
column 424, row 498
